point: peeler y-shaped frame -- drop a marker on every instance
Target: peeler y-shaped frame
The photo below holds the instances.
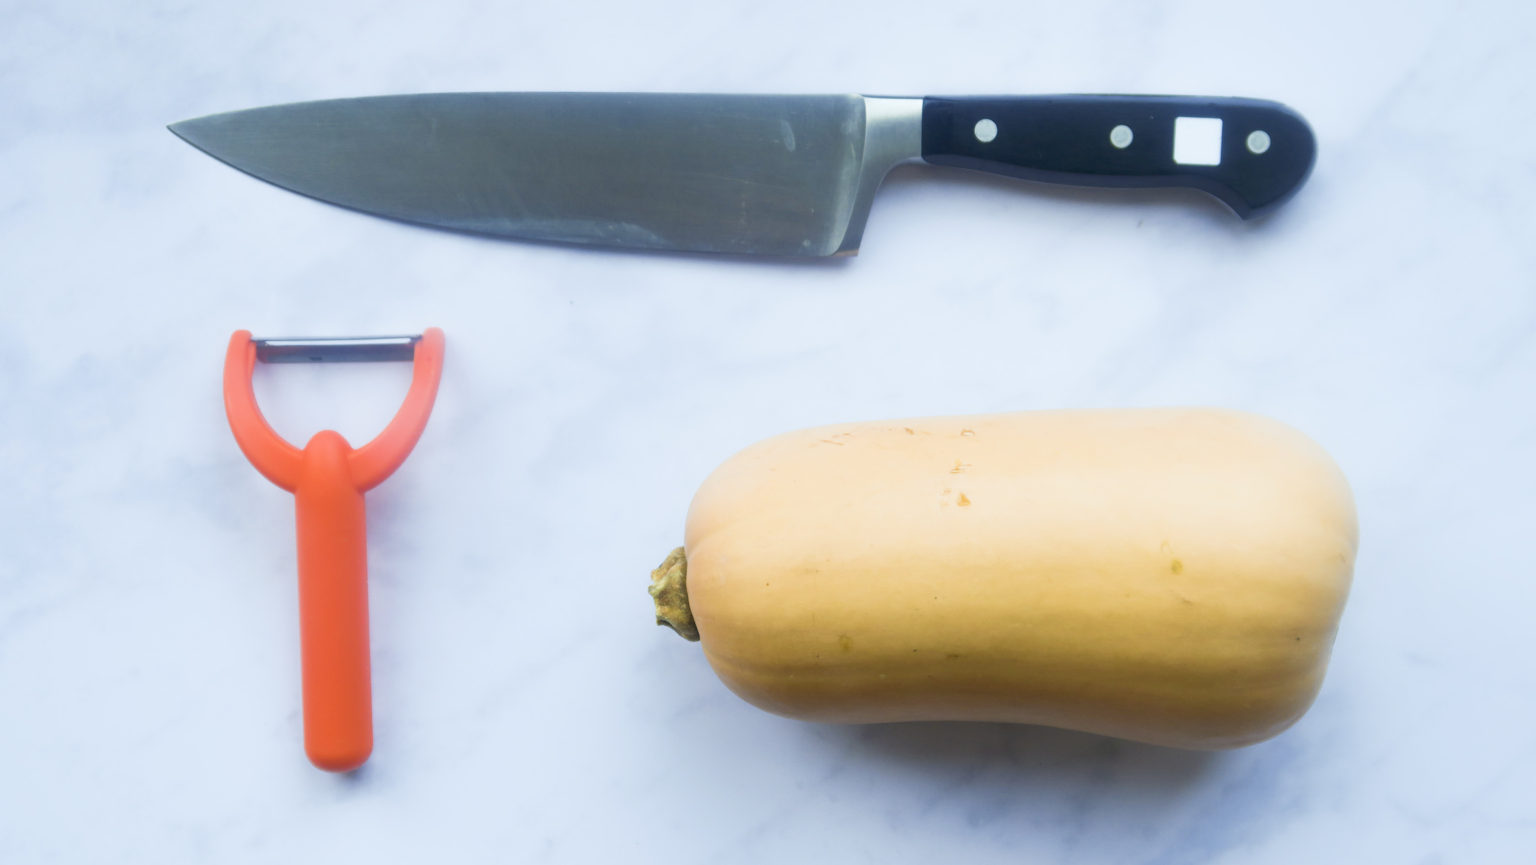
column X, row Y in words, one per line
column 328, row 478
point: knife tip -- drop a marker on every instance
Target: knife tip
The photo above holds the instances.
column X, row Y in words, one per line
column 189, row 131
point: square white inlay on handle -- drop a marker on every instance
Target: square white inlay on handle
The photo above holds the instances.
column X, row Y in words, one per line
column 1197, row 140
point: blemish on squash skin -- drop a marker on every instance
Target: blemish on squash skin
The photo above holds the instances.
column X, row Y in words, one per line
column 1176, row 567
column 959, row 468
column 830, row 442
column 968, row 432
column 845, row 642
column 963, row 501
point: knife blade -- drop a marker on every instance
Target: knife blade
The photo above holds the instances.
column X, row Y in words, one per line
column 738, row 174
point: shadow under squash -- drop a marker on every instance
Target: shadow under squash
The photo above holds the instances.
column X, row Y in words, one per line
column 1017, row 756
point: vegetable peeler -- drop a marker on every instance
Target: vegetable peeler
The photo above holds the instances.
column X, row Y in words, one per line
column 328, row 478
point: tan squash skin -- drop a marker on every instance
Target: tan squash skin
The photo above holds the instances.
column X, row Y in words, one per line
column 1169, row 576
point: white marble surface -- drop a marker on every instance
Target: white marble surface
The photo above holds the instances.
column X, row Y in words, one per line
column 527, row 708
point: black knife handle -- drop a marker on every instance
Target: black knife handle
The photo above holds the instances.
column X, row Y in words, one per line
column 1250, row 153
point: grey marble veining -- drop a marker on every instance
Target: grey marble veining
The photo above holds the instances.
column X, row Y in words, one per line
column 527, row 709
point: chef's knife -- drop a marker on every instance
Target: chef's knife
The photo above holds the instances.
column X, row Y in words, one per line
column 757, row 175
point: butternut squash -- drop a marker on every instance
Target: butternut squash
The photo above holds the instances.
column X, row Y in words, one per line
column 1172, row 576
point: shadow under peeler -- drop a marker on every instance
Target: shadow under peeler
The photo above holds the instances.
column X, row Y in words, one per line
column 328, row 478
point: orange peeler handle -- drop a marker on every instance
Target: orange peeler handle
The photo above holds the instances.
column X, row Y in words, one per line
column 333, row 607
column 328, row 479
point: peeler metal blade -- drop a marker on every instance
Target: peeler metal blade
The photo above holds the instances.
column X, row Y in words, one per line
column 342, row 349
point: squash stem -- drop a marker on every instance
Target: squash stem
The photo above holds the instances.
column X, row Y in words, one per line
column 669, row 589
